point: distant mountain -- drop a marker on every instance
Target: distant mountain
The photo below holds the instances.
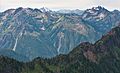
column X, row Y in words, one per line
column 44, row 33
column 101, row 57
column 77, row 11
column 101, row 19
column 44, row 9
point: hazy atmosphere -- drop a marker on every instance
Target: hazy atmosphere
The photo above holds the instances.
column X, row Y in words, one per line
column 59, row 4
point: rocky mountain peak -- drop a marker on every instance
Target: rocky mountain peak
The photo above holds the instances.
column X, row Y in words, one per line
column 95, row 12
column 44, row 9
column 18, row 9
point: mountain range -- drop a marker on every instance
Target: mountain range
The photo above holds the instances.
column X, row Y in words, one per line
column 101, row 57
column 27, row 33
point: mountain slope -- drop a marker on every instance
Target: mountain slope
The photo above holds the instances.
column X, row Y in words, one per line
column 44, row 33
column 101, row 57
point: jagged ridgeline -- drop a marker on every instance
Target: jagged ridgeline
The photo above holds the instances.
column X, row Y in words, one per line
column 101, row 57
column 27, row 33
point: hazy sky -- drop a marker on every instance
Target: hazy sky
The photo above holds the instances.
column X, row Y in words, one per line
column 59, row 4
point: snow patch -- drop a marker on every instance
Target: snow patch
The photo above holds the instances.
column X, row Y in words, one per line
column 43, row 28
column 85, row 15
column 14, row 48
column 44, row 9
column 95, row 8
column 61, row 35
column 90, row 11
column 100, row 16
column 16, row 41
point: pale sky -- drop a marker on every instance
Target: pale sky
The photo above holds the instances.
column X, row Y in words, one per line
column 59, row 4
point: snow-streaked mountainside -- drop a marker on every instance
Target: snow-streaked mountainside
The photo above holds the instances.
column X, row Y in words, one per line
column 45, row 33
column 101, row 57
